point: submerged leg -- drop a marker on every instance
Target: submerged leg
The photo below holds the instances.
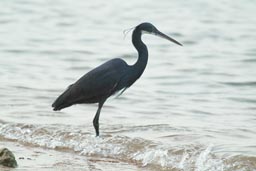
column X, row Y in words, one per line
column 96, row 118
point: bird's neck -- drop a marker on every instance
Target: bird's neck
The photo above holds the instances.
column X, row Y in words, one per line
column 141, row 63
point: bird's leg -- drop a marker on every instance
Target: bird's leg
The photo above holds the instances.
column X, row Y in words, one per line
column 96, row 118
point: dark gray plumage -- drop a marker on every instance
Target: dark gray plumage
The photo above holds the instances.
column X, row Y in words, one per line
column 105, row 80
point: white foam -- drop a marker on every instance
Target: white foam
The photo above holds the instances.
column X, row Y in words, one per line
column 123, row 148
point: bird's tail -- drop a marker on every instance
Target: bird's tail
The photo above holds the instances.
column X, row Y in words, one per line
column 62, row 101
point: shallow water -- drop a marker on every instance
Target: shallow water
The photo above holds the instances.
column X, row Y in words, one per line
column 192, row 109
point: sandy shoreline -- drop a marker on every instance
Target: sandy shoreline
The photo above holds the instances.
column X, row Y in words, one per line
column 42, row 159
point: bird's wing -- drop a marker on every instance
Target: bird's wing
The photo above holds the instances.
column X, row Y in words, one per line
column 99, row 83
column 96, row 85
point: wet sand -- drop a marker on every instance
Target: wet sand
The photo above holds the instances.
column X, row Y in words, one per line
column 42, row 159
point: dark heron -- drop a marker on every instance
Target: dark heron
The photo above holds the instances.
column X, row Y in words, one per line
column 113, row 76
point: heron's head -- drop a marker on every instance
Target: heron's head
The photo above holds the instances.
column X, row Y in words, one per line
column 148, row 28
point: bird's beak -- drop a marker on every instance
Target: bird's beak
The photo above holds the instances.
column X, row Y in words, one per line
column 160, row 34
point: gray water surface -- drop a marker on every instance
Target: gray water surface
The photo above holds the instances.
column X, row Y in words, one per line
column 192, row 109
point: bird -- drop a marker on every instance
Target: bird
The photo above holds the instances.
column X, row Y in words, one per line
column 111, row 77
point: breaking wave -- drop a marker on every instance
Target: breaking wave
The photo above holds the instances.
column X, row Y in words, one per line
column 139, row 151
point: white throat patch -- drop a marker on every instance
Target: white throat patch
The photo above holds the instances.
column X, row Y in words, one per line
column 145, row 32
